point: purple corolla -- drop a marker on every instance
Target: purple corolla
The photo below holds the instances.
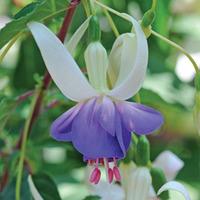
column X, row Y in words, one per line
column 100, row 125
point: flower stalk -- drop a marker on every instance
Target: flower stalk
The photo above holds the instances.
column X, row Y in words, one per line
column 10, row 44
column 23, row 148
column 178, row 47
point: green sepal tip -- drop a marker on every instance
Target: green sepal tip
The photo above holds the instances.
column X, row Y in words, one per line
column 94, row 29
column 142, row 156
column 158, row 180
column 148, row 18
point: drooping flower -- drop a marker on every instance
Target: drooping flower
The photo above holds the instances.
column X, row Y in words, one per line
column 100, row 125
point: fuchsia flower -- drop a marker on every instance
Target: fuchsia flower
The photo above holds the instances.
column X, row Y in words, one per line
column 100, row 125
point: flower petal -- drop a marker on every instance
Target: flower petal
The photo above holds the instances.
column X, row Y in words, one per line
column 90, row 139
column 139, row 118
column 108, row 191
column 76, row 37
column 123, row 135
column 106, row 115
column 121, row 58
column 169, row 163
column 61, row 65
column 173, row 185
column 36, row 195
column 140, row 183
column 61, row 129
column 138, row 65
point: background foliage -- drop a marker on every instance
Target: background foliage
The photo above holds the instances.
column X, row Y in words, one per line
column 164, row 89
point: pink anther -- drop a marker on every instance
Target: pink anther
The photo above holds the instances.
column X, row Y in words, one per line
column 116, row 173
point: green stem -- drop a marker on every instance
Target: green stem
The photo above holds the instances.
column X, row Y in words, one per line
column 10, row 44
column 111, row 22
column 23, row 149
column 86, row 7
column 154, row 4
column 53, row 4
column 91, row 6
column 110, row 9
column 178, row 47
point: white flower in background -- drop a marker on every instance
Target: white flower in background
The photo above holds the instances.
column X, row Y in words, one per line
column 3, row 21
column 184, row 68
column 169, row 163
column 137, row 181
column 109, row 191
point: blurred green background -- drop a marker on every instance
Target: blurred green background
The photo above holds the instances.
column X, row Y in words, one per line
column 169, row 87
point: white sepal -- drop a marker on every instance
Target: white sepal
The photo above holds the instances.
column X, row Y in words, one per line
column 135, row 78
column 173, row 185
column 36, row 195
column 108, row 191
column 126, row 170
column 97, row 64
column 76, row 37
column 169, row 163
column 60, row 64
column 121, row 58
column 139, row 185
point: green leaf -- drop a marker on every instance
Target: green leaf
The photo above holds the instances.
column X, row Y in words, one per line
column 6, row 107
column 46, row 187
column 9, row 191
column 26, row 10
column 29, row 63
column 39, row 11
column 92, row 198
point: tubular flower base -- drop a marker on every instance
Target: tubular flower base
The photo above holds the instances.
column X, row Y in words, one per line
column 100, row 125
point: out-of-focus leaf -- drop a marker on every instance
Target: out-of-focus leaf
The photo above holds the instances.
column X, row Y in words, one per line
column 2, row 143
column 26, row 10
column 6, row 107
column 9, row 191
column 29, row 63
column 162, row 20
column 46, row 187
column 38, row 11
column 92, row 198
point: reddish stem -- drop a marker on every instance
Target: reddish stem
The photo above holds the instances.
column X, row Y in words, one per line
column 24, row 96
column 4, row 179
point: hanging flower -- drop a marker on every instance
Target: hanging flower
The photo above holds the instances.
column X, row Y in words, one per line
column 100, row 125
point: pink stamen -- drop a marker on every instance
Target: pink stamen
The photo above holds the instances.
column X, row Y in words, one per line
column 110, row 175
column 94, row 175
column 116, row 173
column 98, row 177
column 115, row 162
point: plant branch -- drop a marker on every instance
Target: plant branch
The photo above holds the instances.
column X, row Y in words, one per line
column 178, row 47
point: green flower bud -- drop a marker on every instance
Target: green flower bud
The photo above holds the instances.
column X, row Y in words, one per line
column 142, row 151
column 94, row 29
column 132, row 150
column 148, row 18
column 197, row 81
column 158, row 180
